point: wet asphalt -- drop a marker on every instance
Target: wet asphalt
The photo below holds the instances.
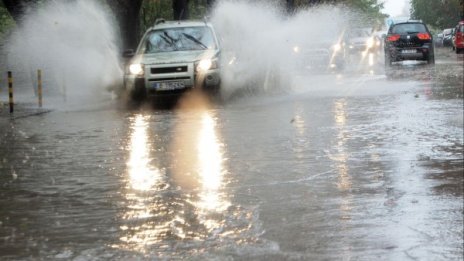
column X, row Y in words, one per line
column 366, row 164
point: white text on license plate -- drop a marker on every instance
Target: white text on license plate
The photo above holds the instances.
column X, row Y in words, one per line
column 166, row 86
column 409, row 51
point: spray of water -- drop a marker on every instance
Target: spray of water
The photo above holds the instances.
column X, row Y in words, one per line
column 74, row 43
column 260, row 41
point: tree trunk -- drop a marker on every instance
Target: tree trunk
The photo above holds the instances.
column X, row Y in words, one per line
column 210, row 5
column 180, row 9
column 290, row 6
column 128, row 13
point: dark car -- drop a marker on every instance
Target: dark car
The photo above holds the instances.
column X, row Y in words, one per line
column 409, row 41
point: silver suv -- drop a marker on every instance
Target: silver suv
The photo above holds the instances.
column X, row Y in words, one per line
column 172, row 57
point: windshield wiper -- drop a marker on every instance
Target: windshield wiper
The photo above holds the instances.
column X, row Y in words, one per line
column 168, row 39
column 195, row 40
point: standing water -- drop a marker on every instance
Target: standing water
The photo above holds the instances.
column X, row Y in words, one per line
column 364, row 168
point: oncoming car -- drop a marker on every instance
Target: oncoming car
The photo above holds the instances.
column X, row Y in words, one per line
column 173, row 57
column 321, row 54
column 409, row 41
column 363, row 40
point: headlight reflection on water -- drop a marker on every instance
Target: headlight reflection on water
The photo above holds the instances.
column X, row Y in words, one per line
column 211, row 169
column 143, row 176
column 181, row 197
column 344, row 182
column 200, row 157
column 200, row 162
column 341, row 157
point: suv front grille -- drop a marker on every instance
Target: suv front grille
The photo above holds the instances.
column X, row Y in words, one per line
column 170, row 79
column 175, row 69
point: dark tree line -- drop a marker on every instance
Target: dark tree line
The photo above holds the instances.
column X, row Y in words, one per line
column 127, row 13
column 439, row 14
column 17, row 8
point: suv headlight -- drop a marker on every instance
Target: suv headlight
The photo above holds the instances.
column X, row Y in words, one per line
column 136, row 69
column 205, row 65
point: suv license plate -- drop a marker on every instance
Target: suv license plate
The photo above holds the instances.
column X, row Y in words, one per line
column 167, row 86
column 409, row 51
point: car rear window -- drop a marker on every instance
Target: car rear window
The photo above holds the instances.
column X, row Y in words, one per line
column 461, row 28
column 408, row 28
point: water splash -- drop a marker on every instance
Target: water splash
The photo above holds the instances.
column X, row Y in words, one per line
column 258, row 40
column 73, row 42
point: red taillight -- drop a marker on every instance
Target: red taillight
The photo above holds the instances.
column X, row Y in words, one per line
column 393, row 37
column 424, row 36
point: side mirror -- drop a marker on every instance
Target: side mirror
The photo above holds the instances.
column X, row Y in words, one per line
column 129, row 53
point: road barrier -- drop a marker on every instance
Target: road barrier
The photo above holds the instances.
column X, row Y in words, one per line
column 39, row 87
column 10, row 91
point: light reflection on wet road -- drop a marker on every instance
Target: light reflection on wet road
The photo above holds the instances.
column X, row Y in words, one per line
column 342, row 167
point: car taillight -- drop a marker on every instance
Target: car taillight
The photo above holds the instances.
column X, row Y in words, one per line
column 424, row 36
column 393, row 37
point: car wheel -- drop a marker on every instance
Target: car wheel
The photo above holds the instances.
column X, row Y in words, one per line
column 139, row 93
column 212, row 90
column 431, row 59
column 388, row 61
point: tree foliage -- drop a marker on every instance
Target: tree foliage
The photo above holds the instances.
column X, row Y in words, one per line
column 6, row 21
column 437, row 13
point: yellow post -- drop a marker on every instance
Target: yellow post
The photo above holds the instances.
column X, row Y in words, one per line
column 10, row 91
column 39, row 87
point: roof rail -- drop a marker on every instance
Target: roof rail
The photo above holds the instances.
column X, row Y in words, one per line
column 159, row 21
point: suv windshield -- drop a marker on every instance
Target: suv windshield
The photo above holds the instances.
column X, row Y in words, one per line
column 360, row 33
column 408, row 28
column 179, row 39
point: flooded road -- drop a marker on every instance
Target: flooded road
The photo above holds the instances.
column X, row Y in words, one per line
column 359, row 165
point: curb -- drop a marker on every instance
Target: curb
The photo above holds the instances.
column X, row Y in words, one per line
column 20, row 111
